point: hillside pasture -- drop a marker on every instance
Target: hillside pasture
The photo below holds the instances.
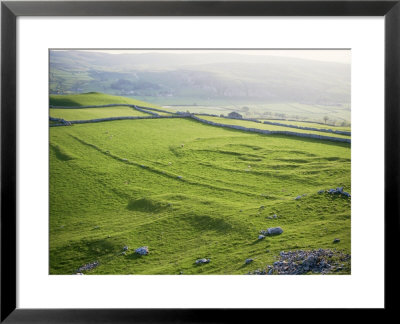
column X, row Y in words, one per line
column 309, row 112
column 93, row 113
column 251, row 124
column 187, row 191
column 309, row 124
column 263, row 110
column 94, row 98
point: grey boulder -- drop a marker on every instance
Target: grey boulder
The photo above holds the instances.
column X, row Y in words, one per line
column 143, row 250
column 272, row 231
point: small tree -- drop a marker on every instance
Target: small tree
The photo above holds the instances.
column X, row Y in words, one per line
column 326, row 118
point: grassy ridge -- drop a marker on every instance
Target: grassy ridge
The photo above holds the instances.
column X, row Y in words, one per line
column 93, row 113
column 188, row 191
column 95, row 98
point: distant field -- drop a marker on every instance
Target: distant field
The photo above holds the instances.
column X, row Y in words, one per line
column 93, row 113
column 314, row 113
column 304, row 111
column 202, row 109
column 313, row 125
column 251, row 124
column 188, row 191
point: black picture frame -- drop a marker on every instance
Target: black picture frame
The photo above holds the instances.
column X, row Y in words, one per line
column 10, row 10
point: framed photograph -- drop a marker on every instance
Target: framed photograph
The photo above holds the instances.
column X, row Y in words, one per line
column 180, row 160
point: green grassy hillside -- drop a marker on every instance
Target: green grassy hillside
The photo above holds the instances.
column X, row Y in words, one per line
column 95, row 98
column 188, row 191
column 93, row 113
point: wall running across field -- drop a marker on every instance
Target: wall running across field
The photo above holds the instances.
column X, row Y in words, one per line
column 324, row 130
column 63, row 122
column 99, row 120
column 263, row 131
column 310, row 128
column 139, row 108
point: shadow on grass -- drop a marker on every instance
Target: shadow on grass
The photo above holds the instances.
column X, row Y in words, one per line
column 245, row 265
column 68, row 258
column 60, row 153
column 208, row 223
column 146, row 205
column 135, row 256
column 257, row 241
column 335, row 197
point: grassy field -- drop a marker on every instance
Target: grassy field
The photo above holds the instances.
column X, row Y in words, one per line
column 95, row 98
column 309, row 112
column 307, row 124
column 256, row 110
column 251, row 124
column 93, row 113
column 188, row 191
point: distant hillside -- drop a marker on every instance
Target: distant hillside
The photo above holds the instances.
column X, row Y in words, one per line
column 201, row 77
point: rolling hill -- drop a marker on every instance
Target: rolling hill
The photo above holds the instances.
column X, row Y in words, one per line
column 187, row 191
column 201, row 78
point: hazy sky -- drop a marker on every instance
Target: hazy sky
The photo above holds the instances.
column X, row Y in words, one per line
column 340, row 56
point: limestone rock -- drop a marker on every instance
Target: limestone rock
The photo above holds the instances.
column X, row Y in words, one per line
column 272, row 231
column 143, row 250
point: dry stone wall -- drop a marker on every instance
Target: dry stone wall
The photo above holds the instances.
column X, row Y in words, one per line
column 263, row 131
column 185, row 115
column 145, row 111
column 113, row 118
column 139, row 108
column 324, row 130
column 310, row 128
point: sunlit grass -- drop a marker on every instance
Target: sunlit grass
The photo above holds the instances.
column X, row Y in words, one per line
column 188, row 191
